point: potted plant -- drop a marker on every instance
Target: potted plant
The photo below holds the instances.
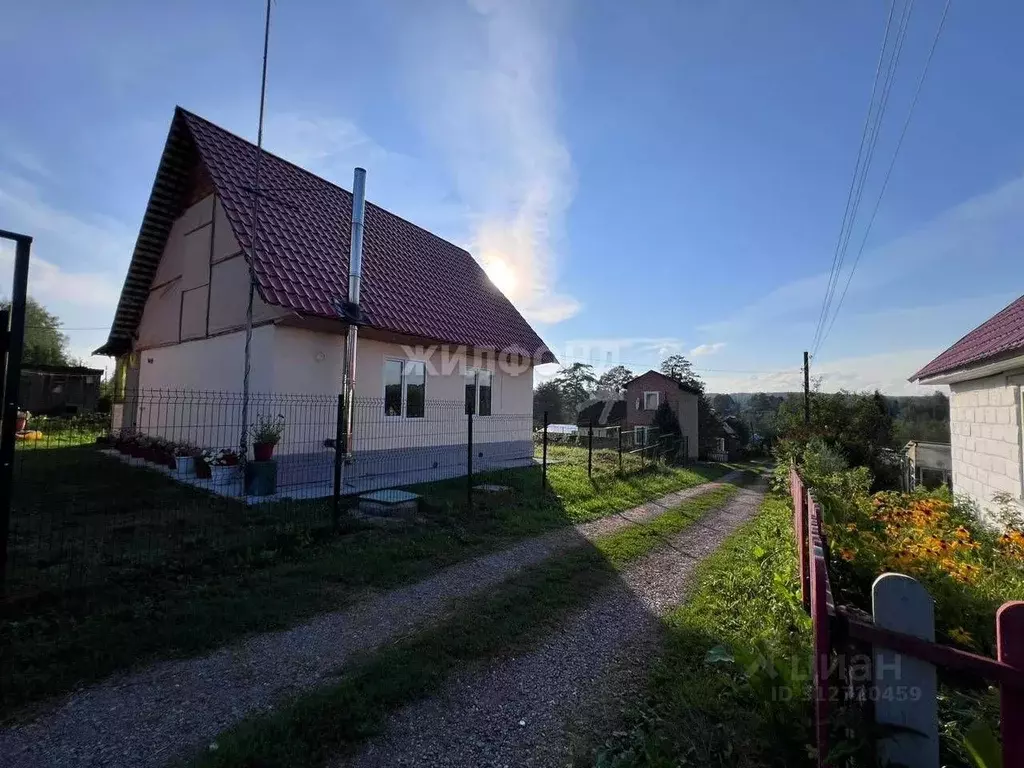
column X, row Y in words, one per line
column 138, row 448
column 266, row 433
column 223, row 465
column 123, row 443
column 185, row 459
column 165, row 455
column 201, row 467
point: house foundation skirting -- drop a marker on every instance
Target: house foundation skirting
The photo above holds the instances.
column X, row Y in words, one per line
column 310, row 475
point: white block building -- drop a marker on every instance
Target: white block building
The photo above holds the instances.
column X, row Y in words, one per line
column 985, row 371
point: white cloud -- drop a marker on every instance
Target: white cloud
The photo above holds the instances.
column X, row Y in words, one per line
column 77, row 265
column 52, row 285
column 703, row 350
column 886, row 372
column 981, row 231
column 486, row 88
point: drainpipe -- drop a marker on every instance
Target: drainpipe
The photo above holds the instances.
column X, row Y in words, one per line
column 355, row 273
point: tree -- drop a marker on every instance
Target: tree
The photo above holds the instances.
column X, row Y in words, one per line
column 666, row 423
column 679, row 368
column 577, row 382
column 44, row 343
column 614, row 379
column 548, row 397
column 725, row 405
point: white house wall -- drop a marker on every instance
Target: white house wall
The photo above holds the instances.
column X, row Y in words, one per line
column 201, row 286
column 985, row 438
column 310, row 362
column 190, row 392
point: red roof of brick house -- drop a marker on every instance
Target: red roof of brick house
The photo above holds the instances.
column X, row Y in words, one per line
column 414, row 283
column 1001, row 336
column 668, row 380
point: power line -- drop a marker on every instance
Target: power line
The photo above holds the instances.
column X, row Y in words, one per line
column 888, row 172
column 874, row 132
column 856, row 168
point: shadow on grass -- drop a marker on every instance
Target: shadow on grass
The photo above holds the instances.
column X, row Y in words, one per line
column 114, row 565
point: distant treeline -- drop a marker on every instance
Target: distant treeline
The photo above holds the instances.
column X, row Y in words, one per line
column 914, row 417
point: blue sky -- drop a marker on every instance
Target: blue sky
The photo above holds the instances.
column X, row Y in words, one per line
column 642, row 178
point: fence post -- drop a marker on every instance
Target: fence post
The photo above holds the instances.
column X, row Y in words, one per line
column 821, row 651
column 1010, row 650
column 469, row 458
column 620, row 448
column 590, row 449
column 901, row 604
column 800, row 510
column 544, row 455
column 339, row 447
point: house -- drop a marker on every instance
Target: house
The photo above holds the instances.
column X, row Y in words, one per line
column 603, row 414
column 984, row 371
column 59, row 390
column 649, row 390
column 435, row 334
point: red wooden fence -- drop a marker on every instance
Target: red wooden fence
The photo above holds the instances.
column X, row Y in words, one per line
column 829, row 621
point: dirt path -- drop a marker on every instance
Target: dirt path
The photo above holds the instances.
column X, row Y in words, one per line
column 515, row 713
column 153, row 716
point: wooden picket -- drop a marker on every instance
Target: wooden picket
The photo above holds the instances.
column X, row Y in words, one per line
column 906, row 688
column 902, row 632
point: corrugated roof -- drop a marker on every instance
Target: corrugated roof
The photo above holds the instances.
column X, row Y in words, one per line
column 414, row 283
column 1000, row 335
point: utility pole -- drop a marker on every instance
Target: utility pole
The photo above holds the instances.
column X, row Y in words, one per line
column 807, row 389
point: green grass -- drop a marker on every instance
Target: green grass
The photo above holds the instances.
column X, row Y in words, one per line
column 712, row 699
column 510, row 619
column 115, row 566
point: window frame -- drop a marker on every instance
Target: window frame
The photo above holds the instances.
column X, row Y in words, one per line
column 657, row 400
column 404, row 362
column 475, row 372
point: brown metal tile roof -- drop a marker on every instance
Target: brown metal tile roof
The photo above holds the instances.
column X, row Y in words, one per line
column 414, row 283
column 999, row 336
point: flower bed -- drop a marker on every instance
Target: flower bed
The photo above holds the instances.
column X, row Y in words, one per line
column 968, row 568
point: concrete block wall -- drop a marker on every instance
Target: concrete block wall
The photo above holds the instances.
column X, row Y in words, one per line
column 985, row 436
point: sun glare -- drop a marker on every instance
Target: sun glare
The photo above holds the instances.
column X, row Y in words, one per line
column 502, row 275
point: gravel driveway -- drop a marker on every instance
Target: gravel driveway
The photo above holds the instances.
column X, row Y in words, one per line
column 153, row 716
column 515, row 713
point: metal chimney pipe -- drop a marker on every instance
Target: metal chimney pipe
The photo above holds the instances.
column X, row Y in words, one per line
column 355, row 274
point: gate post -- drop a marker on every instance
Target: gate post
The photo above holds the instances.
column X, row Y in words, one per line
column 544, row 455
column 590, row 449
column 15, row 339
column 339, row 447
column 469, row 459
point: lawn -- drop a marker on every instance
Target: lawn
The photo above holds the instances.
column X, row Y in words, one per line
column 115, row 565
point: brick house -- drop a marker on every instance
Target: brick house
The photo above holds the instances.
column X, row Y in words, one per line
column 649, row 390
column 985, row 371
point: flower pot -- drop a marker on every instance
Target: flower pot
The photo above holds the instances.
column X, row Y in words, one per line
column 223, row 474
column 184, row 465
column 263, row 451
column 20, row 422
